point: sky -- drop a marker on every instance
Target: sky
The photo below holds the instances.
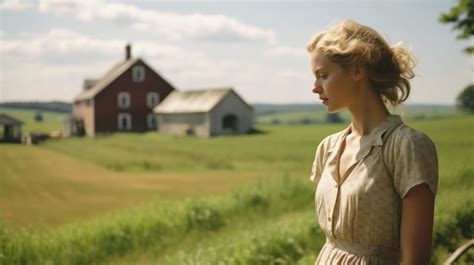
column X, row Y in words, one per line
column 47, row 48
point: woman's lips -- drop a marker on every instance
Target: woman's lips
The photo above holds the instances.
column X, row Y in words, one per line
column 324, row 100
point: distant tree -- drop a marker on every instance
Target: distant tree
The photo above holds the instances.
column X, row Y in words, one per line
column 334, row 118
column 462, row 15
column 306, row 121
column 38, row 117
column 465, row 99
column 276, row 121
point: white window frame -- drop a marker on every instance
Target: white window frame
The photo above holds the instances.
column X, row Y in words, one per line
column 150, row 97
column 138, row 73
column 126, row 116
column 120, row 102
column 151, row 121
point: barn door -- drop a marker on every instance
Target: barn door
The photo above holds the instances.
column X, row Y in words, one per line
column 230, row 123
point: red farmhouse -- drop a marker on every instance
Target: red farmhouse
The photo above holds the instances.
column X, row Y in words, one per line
column 122, row 100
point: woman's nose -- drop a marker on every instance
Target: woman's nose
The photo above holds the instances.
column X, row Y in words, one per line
column 317, row 89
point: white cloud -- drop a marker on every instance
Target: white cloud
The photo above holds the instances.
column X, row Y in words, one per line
column 14, row 5
column 254, row 82
column 67, row 42
column 55, row 41
column 281, row 51
column 24, row 80
column 42, row 81
column 171, row 25
column 28, row 74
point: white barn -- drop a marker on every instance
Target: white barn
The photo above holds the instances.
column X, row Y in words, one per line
column 204, row 113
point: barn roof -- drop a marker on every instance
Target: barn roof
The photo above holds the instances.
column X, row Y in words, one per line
column 105, row 80
column 193, row 101
column 9, row 120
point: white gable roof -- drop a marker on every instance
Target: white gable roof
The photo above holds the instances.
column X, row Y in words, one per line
column 104, row 81
column 194, row 101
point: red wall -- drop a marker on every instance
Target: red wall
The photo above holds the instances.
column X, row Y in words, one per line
column 106, row 102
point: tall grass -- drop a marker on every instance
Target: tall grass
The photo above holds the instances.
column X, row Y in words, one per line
column 156, row 224
column 278, row 240
column 268, row 239
column 449, row 235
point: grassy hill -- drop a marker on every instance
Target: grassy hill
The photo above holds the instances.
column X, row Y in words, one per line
column 52, row 106
column 305, row 114
column 52, row 121
column 142, row 198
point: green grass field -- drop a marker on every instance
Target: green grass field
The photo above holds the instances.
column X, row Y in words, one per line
column 52, row 121
column 154, row 199
column 408, row 113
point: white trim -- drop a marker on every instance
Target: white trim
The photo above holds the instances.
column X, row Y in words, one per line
column 138, row 73
column 123, row 100
column 127, row 117
column 152, row 99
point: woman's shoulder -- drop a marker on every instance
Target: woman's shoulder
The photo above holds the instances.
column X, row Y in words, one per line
column 407, row 139
column 405, row 134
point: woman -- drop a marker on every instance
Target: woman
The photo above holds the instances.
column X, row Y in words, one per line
column 376, row 179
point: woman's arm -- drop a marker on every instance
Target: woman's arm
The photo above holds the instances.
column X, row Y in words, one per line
column 417, row 225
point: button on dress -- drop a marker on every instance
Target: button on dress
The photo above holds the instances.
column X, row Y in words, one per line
column 361, row 216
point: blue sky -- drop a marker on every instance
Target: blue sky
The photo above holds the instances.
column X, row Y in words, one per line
column 48, row 47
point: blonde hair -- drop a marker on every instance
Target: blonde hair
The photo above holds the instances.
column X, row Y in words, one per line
column 388, row 68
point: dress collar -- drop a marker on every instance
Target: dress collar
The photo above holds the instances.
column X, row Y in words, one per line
column 374, row 138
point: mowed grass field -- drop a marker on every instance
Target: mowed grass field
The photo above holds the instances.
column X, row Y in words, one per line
column 52, row 121
column 155, row 199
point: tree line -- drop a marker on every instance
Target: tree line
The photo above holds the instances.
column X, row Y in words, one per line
column 55, row 106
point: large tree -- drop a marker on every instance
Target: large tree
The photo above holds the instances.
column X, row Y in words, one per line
column 462, row 15
column 465, row 99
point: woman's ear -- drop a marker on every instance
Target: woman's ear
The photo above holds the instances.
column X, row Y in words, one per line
column 357, row 72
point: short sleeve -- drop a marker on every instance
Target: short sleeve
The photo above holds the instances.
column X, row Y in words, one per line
column 318, row 163
column 416, row 162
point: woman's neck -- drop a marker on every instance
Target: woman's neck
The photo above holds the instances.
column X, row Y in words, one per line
column 367, row 113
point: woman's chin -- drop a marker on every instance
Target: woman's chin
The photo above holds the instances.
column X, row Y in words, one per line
column 330, row 109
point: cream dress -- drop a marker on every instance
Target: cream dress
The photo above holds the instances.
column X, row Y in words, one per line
column 361, row 216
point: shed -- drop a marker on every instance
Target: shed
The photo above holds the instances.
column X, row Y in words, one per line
column 11, row 129
column 204, row 113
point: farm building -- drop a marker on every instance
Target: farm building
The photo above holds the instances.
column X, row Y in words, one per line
column 121, row 100
column 11, row 128
column 204, row 113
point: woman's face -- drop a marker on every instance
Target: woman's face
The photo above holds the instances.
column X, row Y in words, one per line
column 334, row 85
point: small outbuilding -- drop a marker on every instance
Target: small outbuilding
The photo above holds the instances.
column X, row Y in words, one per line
column 204, row 113
column 11, row 129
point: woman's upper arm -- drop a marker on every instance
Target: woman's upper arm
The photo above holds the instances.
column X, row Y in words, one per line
column 415, row 161
column 417, row 225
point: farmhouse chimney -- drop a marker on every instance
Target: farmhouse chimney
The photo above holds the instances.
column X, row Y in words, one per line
column 128, row 52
